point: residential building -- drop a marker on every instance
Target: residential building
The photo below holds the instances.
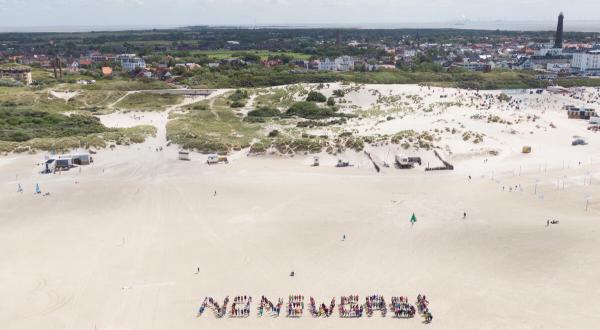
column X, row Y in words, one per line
column 107, row 71
column 130, row 62
column 475, row 66
column 586, row 63
column 22, row 74
column 538, row 62
column 342, row 63
column 85, row 61
column 74, row 66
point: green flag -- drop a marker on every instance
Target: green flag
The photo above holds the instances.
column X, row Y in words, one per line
column 413, row 219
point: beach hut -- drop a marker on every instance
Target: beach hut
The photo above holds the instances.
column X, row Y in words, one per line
column 79, row 159
column 184, row 155
column 316, row 161
column 63, row 163
column 48, row 165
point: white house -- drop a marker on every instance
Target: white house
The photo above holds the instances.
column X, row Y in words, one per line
column 130, row 62
column 343, row 63
column 327, row 65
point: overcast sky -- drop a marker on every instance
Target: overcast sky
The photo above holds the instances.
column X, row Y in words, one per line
column 19, row 13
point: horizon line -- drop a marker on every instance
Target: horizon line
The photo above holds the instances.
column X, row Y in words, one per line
column 450, row 24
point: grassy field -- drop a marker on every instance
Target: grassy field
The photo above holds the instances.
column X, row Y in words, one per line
column 148, row 102
column 43, row 100
column 114, row 136
column 224, row 54
column 36, row 100
column 215, row 129
column 24, row 129
column 258, row 76
column 97, row 100
column 280, row 98
column 24, row 124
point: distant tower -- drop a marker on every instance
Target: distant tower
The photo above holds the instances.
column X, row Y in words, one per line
column 338, row 38
column 558, row 41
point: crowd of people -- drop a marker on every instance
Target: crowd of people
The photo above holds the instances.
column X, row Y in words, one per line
column 375, row 302
column 240, row 306
column 267, row 306
column 295, row 305
column 349, row 307
column 353, row 308
column 214, row 305
column 402, row 308
column 323, row 309
column 422, row 306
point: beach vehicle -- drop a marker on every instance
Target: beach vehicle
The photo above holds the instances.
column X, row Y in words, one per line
column 403, row 162
column 184, row 155
column 578, row 142
column 415, row 160
column 216, row 159
column 526, row 150
column 342, row 163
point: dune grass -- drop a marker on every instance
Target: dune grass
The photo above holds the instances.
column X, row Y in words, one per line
column 25, row 129
column 116, row 136
column 217, row 128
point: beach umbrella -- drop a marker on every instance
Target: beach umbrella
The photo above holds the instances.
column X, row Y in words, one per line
column 37, row 189
column 413, row 219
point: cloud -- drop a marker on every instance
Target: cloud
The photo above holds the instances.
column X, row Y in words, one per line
column 231, row 12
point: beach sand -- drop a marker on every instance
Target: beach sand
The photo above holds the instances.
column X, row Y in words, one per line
column 117, row 245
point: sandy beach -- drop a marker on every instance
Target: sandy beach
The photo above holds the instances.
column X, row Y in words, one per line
column 118, row 244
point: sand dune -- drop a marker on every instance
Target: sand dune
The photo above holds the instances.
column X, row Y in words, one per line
column 117, row 244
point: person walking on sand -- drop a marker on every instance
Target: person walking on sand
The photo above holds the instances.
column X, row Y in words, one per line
column 215, row 195
column 464, row 214
column 19, row 188
column 343, row 237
